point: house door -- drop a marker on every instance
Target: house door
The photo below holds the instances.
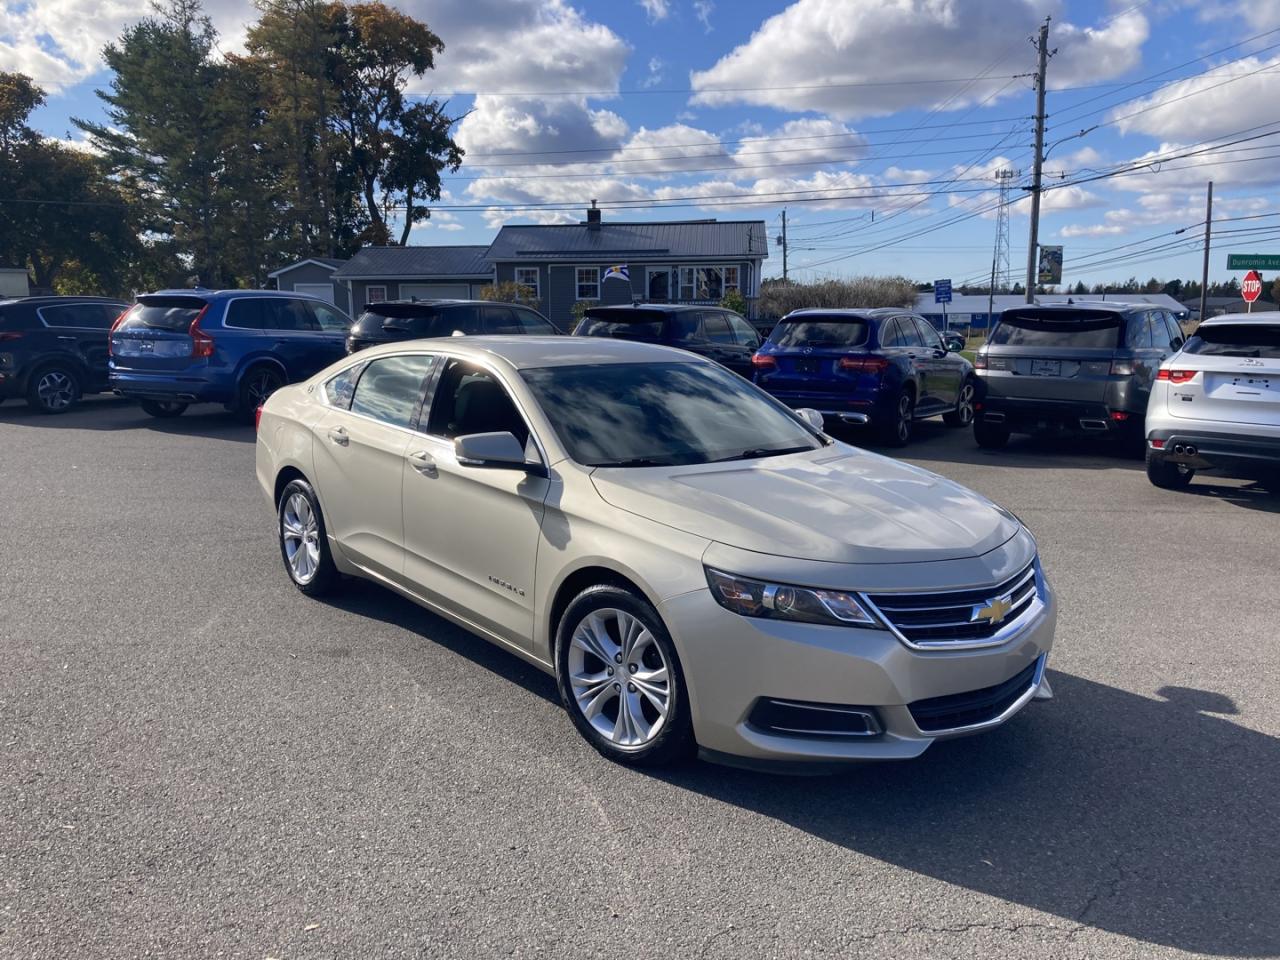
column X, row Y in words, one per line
column 658, row 284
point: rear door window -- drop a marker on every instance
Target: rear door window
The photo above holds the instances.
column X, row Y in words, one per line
column 500, row 321
column 1138, row 332
column 820, row 332
column 174, row 314
column 908, row 335
column 390, row 389
column 1083, row 329
column 743, row 331
column 82, row 316
column 329, row 318
column 290, row 316
column 534, row 323
column 716, row 327
column 464, row 318
column 1236, row 340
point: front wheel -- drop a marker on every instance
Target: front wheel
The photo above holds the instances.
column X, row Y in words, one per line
column 962, row 415
column 620, row 679
column 53, row 389
column 304, row 546
column 1166, row 475
column 163, row 409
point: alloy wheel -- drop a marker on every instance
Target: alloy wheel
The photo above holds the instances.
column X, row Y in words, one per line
column 904, row 418
column 619, row 677
column 964, row 405
column 259, row 387
column 56, row 390
column 300, row 532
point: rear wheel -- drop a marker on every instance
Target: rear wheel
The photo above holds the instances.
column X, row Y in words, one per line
column 163, row 409
column 990, row 436
column 304, row 545
column 620, row 679
column 256, row 385
column 53, row 389
column 962, row 415
column 895, row 431
column 1166, row 475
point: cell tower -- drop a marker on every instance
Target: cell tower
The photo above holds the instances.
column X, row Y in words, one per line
column 1001, row 276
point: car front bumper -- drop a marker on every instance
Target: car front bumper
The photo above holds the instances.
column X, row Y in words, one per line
column 731, row 663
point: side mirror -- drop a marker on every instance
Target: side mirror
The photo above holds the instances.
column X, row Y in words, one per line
column 811, row 416
column 501, row 451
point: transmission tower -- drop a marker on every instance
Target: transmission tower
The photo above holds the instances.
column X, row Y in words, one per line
column 1001, row 275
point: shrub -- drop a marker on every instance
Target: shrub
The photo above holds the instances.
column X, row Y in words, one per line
column 735, row 301
column 777, row 299
column 508, row 291
column 579, row 308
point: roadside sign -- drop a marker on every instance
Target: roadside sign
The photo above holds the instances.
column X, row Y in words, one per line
column 1251, row 288
column 942, row 291
column 1050, row 265
column 1253, row 261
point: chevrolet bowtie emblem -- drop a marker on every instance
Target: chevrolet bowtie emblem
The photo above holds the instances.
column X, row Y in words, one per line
column 994, row 612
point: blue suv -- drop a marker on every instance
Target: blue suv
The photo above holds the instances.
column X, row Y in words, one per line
column 234, row 347
column 885, row 367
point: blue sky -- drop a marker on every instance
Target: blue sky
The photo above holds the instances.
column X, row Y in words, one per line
column 879, row 125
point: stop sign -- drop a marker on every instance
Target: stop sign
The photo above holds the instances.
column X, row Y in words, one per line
column 1251, row 289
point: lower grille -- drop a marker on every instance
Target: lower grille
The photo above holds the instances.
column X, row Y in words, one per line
column 960, row 617
column 976, row 706
column 795, row 718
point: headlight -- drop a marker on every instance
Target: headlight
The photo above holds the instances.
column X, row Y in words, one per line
column 777, row 601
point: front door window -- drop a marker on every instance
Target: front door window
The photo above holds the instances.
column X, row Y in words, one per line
column 659, row 285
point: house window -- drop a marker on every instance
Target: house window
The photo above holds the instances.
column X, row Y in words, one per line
column 686, row 283
column 588, row 283
column 731, row 279
column 528, row 277
column 375, row 294
column 708, row 283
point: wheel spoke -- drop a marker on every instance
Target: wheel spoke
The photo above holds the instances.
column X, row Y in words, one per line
column 593, row 692
column 656, row 693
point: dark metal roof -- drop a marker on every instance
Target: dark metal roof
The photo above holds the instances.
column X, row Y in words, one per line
column 417, row 263
column 689, row 239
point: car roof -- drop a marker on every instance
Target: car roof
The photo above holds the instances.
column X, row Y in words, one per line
column 438, row 302
column 1262, row 317
column 45, row 300
column 853, row 312
column 529, row 352
column 668, row 307
column 1116, row 306
column 211, row 294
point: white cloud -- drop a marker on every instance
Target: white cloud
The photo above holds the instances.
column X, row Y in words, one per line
column 702, row 9
column 1091, row 230
column 1204, row 106
column 656, row 9
column 536, row 128
column 654, row 77
column 849, row 52
column 673, row 147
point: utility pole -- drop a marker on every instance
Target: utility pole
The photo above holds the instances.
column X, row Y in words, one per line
column 1038, row 163
column 1208, row 233
column 784, row 243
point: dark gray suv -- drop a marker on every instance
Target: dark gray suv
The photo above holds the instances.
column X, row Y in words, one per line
column 1083, row 367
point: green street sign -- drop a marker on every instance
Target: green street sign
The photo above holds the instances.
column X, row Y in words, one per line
column 1253, row 261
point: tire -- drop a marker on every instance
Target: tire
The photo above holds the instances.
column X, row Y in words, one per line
column 304, row 544
column 256, row 385
column 590, row 647
column 54, row 388
column 895, row 431
column 963, row 414
column 1166, row 475
column 163, row 409
column 990, row 436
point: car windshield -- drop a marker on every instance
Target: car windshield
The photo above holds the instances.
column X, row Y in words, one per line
column 413, row 319
column 820, row 332
column 1236, row 340
column 1058, row 328
column 663, row 414
column 648, row 326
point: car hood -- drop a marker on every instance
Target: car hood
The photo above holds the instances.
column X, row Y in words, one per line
column 838, row 504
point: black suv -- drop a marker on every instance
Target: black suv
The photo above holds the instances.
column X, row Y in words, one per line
column 1071, row 367
column 713, row 332
column 53, row 350
column 394, row 320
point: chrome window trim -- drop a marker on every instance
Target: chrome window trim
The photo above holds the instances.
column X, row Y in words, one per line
column 1002, row 636
column 1037, row 679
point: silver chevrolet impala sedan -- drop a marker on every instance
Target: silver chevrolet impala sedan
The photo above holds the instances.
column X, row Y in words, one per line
column 699, row 567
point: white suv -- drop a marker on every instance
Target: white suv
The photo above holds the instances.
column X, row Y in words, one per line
column 1216, row 403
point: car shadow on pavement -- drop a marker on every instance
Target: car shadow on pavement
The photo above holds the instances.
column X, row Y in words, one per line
column 113, row 414
column 1154, row 818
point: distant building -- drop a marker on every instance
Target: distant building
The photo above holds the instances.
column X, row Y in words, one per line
column 1216, row 306
column 314, row 276
column 14, row 282
column 976, row 311
column 375, row 274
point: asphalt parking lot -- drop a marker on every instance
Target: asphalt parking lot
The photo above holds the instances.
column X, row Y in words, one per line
column 198, row 761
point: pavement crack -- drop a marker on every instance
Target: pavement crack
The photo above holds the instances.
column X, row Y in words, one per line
column 1107, row 886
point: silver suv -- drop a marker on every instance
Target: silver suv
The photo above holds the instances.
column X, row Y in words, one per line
column 1083, row 367
column 1216, row 403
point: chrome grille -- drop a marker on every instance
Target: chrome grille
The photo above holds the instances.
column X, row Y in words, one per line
column 954, row 618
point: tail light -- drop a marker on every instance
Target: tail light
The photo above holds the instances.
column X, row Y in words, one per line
column 1119, row 416
column 1122, row 368
column 201, row 342
column 762, row 361
column 257, row 417
column 1176, row 376
column 116, row 326
column 1157, row 444
column 863, row 364
column 980, row 361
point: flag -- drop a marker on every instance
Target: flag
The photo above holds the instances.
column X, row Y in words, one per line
column 619, row 272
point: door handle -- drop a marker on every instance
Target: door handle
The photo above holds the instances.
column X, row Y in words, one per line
column 424, row 463
column 69, row 339
column 339, row 436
